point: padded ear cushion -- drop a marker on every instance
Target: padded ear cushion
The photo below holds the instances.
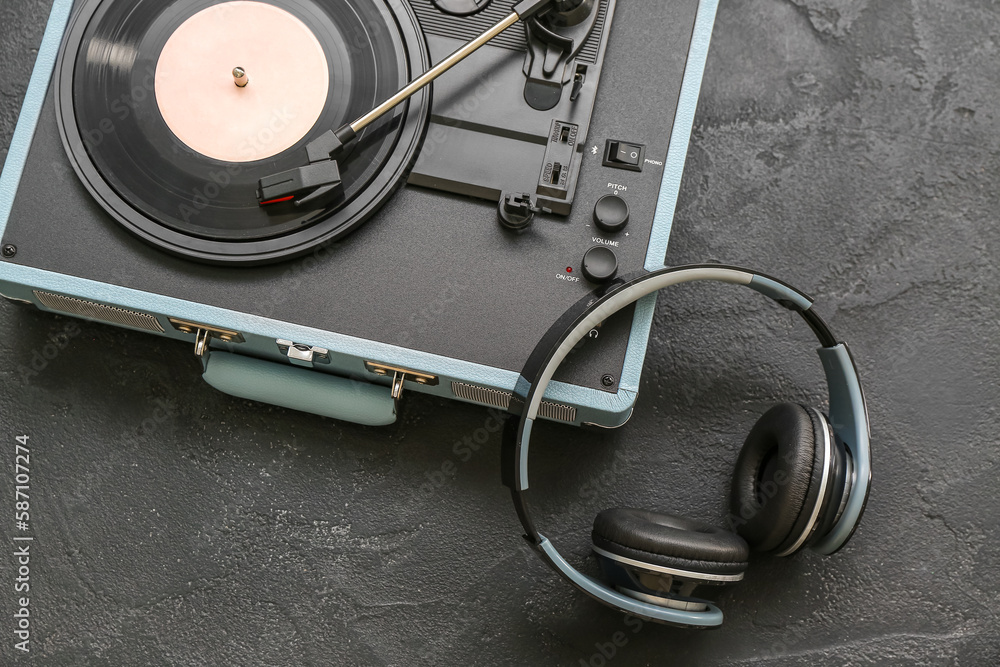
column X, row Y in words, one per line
column 670, row 541
column 778, row 471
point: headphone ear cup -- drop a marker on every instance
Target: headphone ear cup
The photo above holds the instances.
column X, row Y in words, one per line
column 669, row 541
column 778, row 478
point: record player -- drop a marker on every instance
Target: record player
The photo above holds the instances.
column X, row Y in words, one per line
column 244, row 175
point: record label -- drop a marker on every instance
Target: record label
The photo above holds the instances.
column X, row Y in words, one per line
column 283, row 93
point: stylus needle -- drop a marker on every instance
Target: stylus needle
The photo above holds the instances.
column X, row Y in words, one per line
column 309, row 184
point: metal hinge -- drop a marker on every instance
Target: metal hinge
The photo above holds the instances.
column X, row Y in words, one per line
column 204, row 333
column 400, row 375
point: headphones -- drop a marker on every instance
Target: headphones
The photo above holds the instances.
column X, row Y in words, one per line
column 801, row 479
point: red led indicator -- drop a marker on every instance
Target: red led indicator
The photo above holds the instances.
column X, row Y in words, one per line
column 569, row 269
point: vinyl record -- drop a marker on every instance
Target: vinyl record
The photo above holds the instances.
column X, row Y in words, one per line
column 170, row 145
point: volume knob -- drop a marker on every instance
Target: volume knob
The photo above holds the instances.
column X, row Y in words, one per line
column 600, row 264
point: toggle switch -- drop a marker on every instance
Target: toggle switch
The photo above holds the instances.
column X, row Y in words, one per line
column 624, row 155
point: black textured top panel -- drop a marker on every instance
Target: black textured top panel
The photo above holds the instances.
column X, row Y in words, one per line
column 431, row 271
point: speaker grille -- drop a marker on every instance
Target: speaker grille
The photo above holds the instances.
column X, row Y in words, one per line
column 501, row 399
column 99, row 312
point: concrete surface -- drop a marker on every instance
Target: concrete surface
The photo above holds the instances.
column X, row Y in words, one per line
column 848, row 146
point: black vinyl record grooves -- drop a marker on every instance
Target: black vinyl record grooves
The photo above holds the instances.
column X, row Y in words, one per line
column 206, row 209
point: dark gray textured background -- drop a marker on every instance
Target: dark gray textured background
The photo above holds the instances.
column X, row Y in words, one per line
column 847, row 146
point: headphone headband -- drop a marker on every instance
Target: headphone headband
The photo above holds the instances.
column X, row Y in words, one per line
column 848, row 413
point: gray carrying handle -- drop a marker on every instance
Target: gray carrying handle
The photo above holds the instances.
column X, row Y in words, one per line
column 300, row 389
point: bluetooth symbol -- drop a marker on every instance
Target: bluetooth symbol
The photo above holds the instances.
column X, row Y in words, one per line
column 22, row 525
column 595, row 150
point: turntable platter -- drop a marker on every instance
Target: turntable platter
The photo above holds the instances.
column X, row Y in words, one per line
column 165, row 139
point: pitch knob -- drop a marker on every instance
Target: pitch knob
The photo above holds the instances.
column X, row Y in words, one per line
column 611, row 213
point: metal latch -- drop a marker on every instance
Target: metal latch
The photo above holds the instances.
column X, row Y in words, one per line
column 400, row 375
column 203, row 334
column 303, row 355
